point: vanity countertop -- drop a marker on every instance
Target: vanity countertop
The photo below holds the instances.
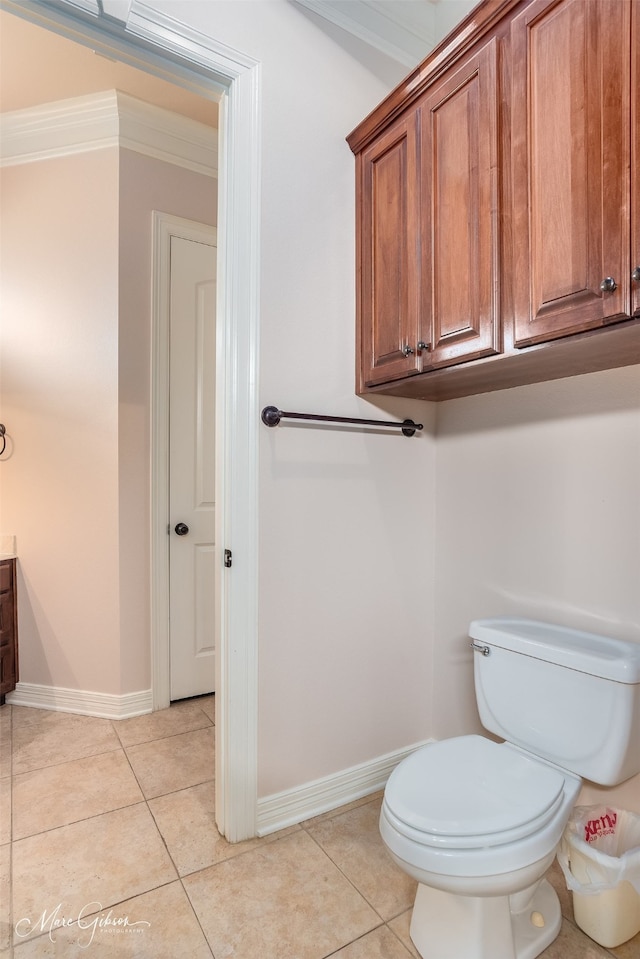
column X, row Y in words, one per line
column 8, row 546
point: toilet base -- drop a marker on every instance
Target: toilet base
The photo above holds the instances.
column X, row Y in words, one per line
column 447, row 926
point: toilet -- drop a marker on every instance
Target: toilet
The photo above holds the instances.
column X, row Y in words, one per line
column 477, row 822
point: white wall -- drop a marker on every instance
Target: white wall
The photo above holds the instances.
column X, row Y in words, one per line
column 346, row 541
column 449, row 13
column 537, row 514
column 536, row 506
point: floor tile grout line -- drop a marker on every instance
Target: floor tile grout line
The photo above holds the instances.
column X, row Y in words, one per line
column 163, row 840
column 165, row 844
column 162, row 739
column 75, row 822
column 110, row 906
column 144, row 800
column 349, row 880
column 270, row 839
column 35, row 769
column 337, row 865
column 180, row 789
column 351, row 942
column 175, row 865
column 11, row 898
column 159, row 739
column 197, row 917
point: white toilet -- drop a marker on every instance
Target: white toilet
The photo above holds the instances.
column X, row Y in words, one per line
column 477, row 822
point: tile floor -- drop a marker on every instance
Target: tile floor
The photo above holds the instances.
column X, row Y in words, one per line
column 108, row 848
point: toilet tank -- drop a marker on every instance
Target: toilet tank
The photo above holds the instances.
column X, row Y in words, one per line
column 567, row 696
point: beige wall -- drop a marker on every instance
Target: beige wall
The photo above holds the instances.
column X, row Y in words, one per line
column 538, row 514
column 145, row 185
column 59, row 403
column 76, row 306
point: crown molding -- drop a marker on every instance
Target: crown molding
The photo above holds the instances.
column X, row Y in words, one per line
column 108, row 119
column 386, row 26
column 91, row 7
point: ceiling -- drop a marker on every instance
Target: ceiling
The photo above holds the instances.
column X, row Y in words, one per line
column 404, row 30
column 67, row 69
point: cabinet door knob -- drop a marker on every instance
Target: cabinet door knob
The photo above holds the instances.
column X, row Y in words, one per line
column 635, row 276
column 182, row 529
column 608, row 285
column 407, row 350
column 422, row 345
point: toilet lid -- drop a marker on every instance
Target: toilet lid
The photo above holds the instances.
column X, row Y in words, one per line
column 467, row 791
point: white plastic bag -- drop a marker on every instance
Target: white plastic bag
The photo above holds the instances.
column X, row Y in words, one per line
column 605, row 846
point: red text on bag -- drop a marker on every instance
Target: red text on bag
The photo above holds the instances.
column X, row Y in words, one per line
column 603, row 826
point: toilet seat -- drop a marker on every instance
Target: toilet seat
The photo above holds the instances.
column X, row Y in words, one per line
column 471, row 792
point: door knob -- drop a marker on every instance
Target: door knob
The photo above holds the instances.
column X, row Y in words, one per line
column 182, row 529
column 635, row 276
column 407, row 350
column 608, row 285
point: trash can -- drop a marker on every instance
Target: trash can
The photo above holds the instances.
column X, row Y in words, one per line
column 600, row 858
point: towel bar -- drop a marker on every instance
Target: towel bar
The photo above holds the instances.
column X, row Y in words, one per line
column 271, row 416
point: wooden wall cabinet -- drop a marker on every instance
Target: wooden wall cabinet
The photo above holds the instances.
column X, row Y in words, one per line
column 571, row 143
column 428, row 232
column 389, row 212
column 8, row 628
column 498, row 209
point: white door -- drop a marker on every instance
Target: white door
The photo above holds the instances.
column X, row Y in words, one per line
column 192, row 335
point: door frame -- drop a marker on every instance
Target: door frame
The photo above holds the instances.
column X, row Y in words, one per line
column 145, row 38
column 165, row 226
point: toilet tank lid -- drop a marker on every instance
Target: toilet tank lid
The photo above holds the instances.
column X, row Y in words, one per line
column 601, row 656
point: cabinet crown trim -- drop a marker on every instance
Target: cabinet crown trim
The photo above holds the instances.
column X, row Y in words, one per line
column 469, row 31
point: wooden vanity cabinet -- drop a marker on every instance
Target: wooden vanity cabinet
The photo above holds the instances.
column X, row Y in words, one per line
column 8, row 628
column 428, row 247
column 571, row 147
column 635, row 157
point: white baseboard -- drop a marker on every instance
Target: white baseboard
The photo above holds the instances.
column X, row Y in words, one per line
column 304, row 802
column 101, row 705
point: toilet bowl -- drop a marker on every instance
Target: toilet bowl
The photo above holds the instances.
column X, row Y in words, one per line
column 476, row 822
column 471, row 818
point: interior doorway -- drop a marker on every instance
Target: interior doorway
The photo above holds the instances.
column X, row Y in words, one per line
column 192, row 487
column 164, row 47
column 184, row 405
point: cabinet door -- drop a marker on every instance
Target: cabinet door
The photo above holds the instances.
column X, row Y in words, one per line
column 460, row 226
column 570, row 143
column 635, row 157
column 389, row 205
column 8, row 659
